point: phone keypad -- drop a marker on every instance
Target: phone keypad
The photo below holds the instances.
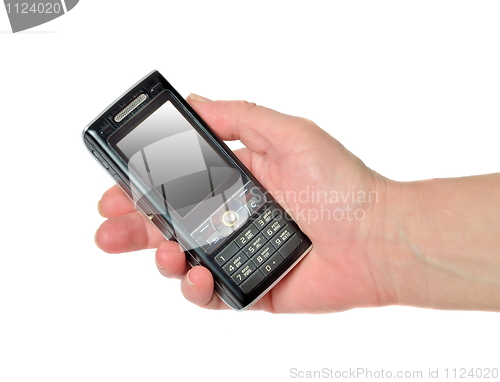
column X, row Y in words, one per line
column 260, row 249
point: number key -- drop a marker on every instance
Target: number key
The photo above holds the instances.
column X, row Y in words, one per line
column 255, row 244
column 263, row 219
column 226, row 254
column 236, row 262
column 262, row 255
column 273, row 227
column 245, row 237
column 271, row 264
column 243, row 273
column 282, row 236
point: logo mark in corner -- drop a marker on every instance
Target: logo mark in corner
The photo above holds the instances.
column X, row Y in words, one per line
column 26, row 14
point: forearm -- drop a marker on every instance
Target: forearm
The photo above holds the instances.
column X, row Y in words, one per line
column 444, row 243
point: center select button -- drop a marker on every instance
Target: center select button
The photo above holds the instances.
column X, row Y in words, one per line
column 228, row 218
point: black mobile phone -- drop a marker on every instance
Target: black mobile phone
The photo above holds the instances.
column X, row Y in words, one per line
column 195, row 190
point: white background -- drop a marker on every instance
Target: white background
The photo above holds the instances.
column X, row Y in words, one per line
column 412, row 88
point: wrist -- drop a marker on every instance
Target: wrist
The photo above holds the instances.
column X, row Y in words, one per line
column 398, row 273
column 440, row 247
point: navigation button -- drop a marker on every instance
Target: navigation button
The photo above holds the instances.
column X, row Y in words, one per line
column 254, row 204
column 202, row 242
column 205, row 230
column 215, row 241
column 230, row 217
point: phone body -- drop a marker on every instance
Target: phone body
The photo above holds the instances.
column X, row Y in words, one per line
column 195, row 190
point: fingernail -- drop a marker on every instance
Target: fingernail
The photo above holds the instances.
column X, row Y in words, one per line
column 158, row 264
column 190, row 283
column 199, row 98
column 99, row 208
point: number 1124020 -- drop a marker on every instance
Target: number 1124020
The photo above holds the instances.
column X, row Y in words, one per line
column 25, row 8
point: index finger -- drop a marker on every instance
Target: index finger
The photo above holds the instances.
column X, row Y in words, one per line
column 262, row 130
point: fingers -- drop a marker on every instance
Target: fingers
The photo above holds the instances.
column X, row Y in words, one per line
column 198, row 287
column 114, row 203
column 170, row 260
column 197, row 283
column 126, row 229
column 126, row 233
column 133, row 231
column 262, row 130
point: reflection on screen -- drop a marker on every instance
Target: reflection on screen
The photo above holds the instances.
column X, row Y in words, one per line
column 175, row 159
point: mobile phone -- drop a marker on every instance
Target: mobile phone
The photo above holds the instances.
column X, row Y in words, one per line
column 196, row 191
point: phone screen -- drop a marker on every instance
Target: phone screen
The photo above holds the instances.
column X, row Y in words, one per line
column 170, row 154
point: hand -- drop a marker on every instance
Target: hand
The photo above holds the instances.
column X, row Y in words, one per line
column 331, row 194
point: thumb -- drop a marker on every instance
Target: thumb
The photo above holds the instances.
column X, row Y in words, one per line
column 262, row 130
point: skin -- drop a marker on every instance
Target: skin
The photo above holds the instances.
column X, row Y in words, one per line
column 432, row 243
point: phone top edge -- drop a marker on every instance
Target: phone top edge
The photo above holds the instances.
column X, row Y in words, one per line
column 106, row 110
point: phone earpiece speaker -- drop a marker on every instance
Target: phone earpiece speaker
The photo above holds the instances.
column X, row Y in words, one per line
column 130, row 108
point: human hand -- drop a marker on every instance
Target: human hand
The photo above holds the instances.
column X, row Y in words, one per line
column 335, row 199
